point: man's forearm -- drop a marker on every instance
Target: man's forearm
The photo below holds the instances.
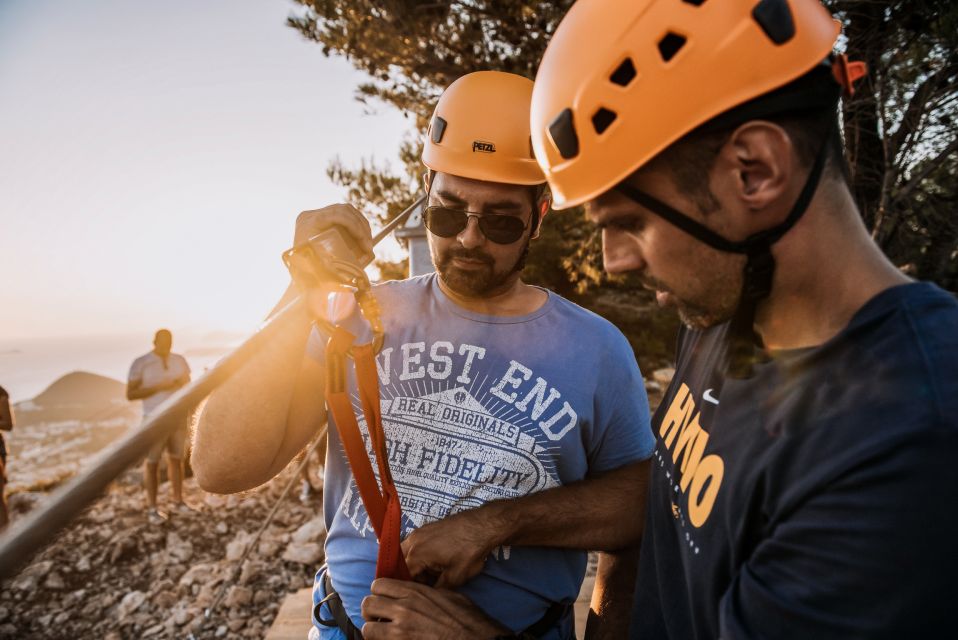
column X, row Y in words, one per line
column 604, row 513
column 241, row 435
column 611, row 609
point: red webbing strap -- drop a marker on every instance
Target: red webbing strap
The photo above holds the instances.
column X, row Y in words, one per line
column 382, row 507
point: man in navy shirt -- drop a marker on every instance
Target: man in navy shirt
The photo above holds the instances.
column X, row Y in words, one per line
column 804, row 477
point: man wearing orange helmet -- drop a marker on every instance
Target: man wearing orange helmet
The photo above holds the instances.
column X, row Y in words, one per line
column 804, row 475
column 510, row 455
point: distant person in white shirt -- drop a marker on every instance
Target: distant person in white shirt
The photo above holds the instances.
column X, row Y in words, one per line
column 153, row 378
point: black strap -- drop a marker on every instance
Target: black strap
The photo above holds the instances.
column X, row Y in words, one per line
column 760, row 266
column 340, row 617
column 555, row 613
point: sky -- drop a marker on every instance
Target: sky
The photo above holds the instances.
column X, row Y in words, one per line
column 154, row 156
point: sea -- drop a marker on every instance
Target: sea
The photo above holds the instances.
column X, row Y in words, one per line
column 30, row 365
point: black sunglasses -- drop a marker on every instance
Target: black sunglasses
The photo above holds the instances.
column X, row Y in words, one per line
column 446, row 222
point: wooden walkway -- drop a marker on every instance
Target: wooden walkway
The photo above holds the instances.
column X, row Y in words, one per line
column 292, row 621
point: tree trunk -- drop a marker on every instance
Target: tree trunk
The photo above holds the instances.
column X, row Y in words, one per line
column 866, row 152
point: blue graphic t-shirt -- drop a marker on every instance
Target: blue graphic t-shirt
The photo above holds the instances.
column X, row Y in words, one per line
column 478, row 408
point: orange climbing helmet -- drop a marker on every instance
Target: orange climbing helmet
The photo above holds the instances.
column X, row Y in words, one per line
column 621, row 80
column 480, row 130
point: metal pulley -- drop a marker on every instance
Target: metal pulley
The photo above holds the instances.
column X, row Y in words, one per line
column 332, row 257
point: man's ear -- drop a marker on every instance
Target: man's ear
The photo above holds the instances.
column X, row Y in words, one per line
column 762, row 156
column 544, row 206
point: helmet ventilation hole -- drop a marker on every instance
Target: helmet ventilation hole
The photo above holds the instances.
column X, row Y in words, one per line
column 437, row 129
column 697, row 3
column 562, row 130
column 670, row 45
column 624, row 73
column 775, row 19
column 602, row 119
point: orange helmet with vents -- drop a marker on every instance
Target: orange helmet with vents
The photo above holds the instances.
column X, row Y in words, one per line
column 621, row 80
column 480, row 130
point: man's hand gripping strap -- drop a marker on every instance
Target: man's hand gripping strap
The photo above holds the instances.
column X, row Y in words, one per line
column 382, row 505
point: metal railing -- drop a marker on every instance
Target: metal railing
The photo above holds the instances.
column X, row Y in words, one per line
column 27, row 537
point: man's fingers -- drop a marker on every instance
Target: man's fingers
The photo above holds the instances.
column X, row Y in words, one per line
column 378, row 631
column 379, row 608
column 391, row 588
column 310, row 223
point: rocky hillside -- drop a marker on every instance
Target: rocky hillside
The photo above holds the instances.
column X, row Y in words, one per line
column 112, row 575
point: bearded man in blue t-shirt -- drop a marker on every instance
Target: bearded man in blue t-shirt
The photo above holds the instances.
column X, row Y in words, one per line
column 516, row 423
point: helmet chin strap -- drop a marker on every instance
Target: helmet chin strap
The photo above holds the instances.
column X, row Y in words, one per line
column 745, row 347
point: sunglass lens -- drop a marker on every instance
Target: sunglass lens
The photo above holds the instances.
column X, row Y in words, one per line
column 443, row 222
column 501, row 229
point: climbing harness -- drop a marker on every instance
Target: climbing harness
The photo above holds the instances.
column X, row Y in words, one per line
column 331, row 257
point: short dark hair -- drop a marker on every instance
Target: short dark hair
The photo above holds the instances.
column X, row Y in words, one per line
column 690, row 159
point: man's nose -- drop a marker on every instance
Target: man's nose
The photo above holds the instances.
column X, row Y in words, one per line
column 471, row 236
column 620, row 252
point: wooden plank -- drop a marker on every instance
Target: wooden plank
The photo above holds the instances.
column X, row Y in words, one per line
column 292, row 621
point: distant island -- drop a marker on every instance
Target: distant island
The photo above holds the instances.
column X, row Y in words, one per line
column 60, row 429
column 79, row 395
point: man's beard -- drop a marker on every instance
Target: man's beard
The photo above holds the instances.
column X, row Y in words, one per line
column 692, row 314
column 480, row 281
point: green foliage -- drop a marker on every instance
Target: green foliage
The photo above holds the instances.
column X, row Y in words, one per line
column 901, row 129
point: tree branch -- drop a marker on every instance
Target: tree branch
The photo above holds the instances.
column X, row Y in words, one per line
column 915, row 110
column 930, row 166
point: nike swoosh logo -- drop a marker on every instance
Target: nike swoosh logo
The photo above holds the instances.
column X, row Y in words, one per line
column 708, row 397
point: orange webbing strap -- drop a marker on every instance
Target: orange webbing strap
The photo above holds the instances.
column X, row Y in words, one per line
column 382, row 506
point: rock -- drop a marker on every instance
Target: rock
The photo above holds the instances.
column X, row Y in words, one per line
column 83, row 564
column 44, row 621
column 130, row 603
column 268, row 549
column 4, row 614
column 113, row 635
column 197, row 625
column 236, row 625
column 164, row 599
column 104, row 515
column 24, row 501
column 221, row 631
column 141, row 619
column 181, row 617
column 307, row 553
column 252, row 569
column 178, row 549
column 30, row 577
column 261, row 597
column 215, row 501
column 222, row 528
column 54, row 581
column 152, row 631
column 122, row 548
column 163, row 585
column 237, row 547
column 663, row 376
column 239, row 596
column 61, row 618
column 8, row 631
column 311, row 531
column 198, row 573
